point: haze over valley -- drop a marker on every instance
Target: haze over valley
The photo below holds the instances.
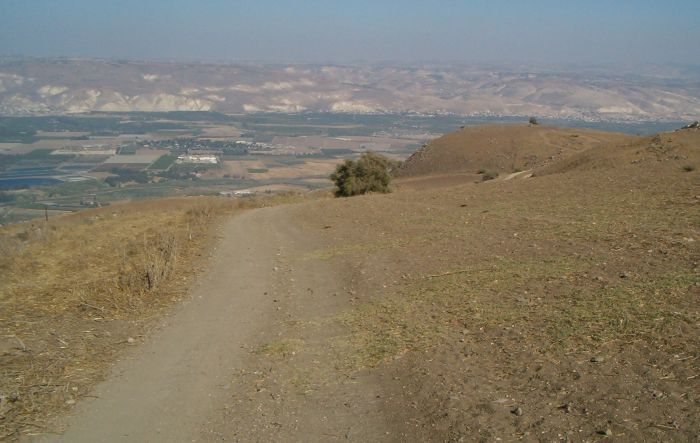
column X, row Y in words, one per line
column 56, row 86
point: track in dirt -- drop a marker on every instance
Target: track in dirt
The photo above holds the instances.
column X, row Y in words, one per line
column 191, row 381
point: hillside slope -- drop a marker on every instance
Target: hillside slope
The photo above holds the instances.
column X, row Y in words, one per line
column 504, row 148
column 641, row 153
column 561, row 307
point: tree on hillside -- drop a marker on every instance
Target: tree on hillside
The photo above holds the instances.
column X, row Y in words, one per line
column 533, row 121
column 370, row 173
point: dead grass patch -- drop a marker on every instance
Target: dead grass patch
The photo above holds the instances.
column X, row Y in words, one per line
column 76, row 291
column 561, row 301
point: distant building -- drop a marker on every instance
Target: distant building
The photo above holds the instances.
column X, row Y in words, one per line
column 198, row 159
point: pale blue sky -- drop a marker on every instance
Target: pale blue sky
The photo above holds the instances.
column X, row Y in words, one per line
column 548, row 31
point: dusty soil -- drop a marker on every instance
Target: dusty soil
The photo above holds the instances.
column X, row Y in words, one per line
column 564, row 307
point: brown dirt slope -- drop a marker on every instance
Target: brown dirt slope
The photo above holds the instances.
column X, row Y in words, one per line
column 644, row 152
column 504, row 148
column 564, row 307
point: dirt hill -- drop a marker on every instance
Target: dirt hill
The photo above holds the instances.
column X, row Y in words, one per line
column 641, row 152
column 504, row 149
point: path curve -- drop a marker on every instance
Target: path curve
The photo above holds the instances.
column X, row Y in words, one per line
column 176, row 385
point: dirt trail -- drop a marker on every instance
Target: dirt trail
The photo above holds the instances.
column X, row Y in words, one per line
column 195, row 379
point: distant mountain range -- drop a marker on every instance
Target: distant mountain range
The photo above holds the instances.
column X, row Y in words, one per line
column 58, row 86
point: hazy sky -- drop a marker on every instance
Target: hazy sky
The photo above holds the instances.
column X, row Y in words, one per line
column 563, row 31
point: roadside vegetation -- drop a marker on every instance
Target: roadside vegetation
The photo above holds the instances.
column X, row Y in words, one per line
column 370, row 173
column 74, row 292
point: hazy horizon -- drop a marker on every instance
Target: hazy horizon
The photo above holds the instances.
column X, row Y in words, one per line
column 496, row 32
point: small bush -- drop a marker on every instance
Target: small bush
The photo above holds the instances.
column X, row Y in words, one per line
column 533, row 121
column 489, row 175
column 689, row 168
column 370, row 173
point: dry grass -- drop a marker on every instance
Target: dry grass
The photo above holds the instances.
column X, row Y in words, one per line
column 503, row 148
column 569, row 316
column 76, row 291
column 474, row 293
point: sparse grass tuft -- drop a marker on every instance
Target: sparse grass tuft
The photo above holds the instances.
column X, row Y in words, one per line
column 281, row 348
column 689, row 168
column 489, row 175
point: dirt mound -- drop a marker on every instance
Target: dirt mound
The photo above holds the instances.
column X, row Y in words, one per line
column 504, row 148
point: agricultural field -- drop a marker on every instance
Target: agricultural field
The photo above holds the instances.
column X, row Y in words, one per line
column 69, row 163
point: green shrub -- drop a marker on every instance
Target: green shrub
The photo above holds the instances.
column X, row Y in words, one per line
column 370, row 173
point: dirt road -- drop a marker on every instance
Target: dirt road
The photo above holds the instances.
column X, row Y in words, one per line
column 199, row 377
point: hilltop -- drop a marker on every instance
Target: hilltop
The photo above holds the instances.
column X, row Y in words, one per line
column 563, row 306
column 504, row 149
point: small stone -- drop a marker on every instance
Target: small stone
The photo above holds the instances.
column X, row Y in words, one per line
column 624, row 274
column 597, row 359
column 657, row 394
column 607, row 432
column 130, row 340
column 70, row 402
column 517, row 411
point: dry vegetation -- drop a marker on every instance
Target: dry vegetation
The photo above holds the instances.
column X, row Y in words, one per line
column 504, row 148
column 561, row 307
column 78, row 290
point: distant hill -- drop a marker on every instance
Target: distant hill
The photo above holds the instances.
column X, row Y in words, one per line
column 57, row 86
column 504, row 149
